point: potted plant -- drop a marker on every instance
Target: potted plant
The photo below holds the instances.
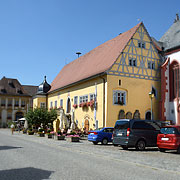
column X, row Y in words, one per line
column 60, row 136
column 41, row 132
column 50, row 134
column 30, row 132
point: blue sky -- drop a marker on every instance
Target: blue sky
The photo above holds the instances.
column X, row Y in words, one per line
column 39, row 37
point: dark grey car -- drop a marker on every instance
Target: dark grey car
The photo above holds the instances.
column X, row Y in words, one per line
column 135, row 133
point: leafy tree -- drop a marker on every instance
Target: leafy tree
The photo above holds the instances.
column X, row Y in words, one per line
column 41, row 115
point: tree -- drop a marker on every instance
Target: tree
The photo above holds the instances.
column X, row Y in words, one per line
column 40, row 116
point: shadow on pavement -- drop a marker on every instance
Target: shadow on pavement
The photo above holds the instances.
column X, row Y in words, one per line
column 146, row 150
column 28, row 173
column 8, row 147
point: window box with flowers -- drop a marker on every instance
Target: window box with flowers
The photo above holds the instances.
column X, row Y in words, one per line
column 84, row 104
column 75, row 105
column 9, row 118
column 9, row 105
column 92, row 103
column 60, row 107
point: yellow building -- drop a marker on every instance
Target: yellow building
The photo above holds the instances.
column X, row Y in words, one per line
column 15, row 100
column 110, row 82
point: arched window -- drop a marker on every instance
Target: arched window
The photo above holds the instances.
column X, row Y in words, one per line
column 68, row 107
column 148, row 115
column 174, row 80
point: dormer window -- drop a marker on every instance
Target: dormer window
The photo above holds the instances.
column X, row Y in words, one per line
column 19, row 91
column 11, row 84
column 3, row 91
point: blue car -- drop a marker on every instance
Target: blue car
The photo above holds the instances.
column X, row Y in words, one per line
column 103, row 135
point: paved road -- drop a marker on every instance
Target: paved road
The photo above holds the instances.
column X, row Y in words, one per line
column 24, row 157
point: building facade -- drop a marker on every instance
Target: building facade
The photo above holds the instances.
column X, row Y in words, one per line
column 111, row 82
column 170, row 74
column 15, row 100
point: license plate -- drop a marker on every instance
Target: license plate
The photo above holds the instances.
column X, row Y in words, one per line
column 119, row 134
column 165, row 139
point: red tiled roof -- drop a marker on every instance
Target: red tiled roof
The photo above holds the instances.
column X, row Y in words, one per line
column 94, row 62
column 9, row 86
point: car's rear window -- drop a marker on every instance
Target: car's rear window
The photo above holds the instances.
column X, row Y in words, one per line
column 169, row 130
column 121, row 125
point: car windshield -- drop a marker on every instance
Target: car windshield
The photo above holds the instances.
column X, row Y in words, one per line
column 169, row 130
column 98, row 129
column 121, row 125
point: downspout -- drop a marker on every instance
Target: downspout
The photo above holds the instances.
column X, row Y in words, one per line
column 103, row 100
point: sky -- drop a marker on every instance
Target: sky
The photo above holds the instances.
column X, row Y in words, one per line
column 39, row 37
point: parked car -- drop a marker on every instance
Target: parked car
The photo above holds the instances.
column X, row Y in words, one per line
column 103, row 135
column 135, row 133
column 169, row 138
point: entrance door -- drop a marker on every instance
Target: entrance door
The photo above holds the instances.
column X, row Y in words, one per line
column 86, row 125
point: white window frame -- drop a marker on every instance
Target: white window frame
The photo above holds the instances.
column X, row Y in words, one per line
column 55, row 104
column 42, row 104
column 119, row 95
column 51, row 104
column 16, row 103
column 83, row 99
column 92, row 96
column 61, row 102
column 75, row 99
column 23, row 102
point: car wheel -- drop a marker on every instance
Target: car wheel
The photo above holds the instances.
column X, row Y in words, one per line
column 95, row 143
column 124, row 147
column 104, row 141
column 141, row 145
column 178, row 150
column 162, row 150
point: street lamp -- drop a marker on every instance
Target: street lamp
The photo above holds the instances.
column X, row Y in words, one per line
column 151, row 95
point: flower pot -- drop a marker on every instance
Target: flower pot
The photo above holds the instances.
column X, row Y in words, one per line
column 72, row 139
column 42, row 135
column 50, row 136
column 60, row 137
column 30, row 133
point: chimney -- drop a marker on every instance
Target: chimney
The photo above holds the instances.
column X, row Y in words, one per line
column 177, row 18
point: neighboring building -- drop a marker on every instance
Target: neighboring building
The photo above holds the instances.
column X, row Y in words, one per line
column 110, row 82
column 15, row 100
column 170, row 74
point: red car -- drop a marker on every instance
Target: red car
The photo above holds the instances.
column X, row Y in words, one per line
column 169, row 138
